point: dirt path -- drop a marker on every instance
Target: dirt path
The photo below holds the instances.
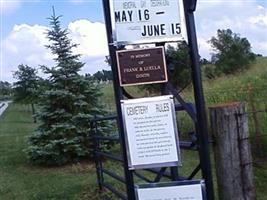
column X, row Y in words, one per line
column 3, row 106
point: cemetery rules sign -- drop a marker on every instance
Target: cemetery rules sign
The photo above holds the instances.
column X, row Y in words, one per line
column 151, row 132
column 147, row 21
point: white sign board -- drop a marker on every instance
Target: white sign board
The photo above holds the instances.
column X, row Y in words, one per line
column 147, row 21
column 151, row 132
column 177, row 192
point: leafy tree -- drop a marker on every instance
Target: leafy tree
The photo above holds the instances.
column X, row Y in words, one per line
column 178, row 61
column 5, row 90
column 204, row 61
column 104, row 75
column 178, row 65
column 66, row 107
column 26, row 89
column 233, row 53
column 107, row 74
column 99, row 76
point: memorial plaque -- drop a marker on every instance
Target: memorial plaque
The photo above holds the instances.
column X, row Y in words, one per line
column 185, row 190
column 151, row 132
column 147, row 21
column 142, row 66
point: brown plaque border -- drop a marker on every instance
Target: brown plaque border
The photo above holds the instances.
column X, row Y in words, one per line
column 143, row 83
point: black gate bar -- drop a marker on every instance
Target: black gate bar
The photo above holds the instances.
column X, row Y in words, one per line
column 201, row 124
column 118, row 97
column 198, row 114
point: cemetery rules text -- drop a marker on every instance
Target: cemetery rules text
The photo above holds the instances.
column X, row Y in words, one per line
column 145, row 21
column 151, row 132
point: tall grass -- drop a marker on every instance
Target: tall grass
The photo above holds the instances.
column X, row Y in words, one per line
column 109, row 99
column 249, row 86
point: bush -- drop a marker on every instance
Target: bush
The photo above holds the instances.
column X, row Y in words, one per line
column 233, row 52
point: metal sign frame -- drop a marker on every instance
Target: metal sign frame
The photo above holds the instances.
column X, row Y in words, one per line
column 152, row 40
column 160, row 163
column 198, row 114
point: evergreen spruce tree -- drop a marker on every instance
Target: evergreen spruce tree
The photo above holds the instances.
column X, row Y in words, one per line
column 66, row 107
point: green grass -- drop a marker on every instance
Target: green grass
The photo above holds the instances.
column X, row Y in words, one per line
column 249, row 86
column 19, row 180
column 239, row 86
column 108, row 95
column 260, row 178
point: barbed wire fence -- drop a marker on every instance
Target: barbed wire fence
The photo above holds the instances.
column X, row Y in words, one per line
column 255, row 97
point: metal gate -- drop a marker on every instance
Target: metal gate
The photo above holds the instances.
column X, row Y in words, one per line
column 197, row 113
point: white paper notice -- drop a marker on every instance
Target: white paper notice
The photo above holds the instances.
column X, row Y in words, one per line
column 184, row 192
column 151, row 131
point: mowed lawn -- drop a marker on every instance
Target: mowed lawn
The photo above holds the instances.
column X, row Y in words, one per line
column 19, row 180
column 22, row 181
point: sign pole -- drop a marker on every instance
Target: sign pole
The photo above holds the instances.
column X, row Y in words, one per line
column 201, row 125
column 174, row 170
column 120, row 23
column 118, row 96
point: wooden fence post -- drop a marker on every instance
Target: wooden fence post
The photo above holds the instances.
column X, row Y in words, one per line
column 232, row 152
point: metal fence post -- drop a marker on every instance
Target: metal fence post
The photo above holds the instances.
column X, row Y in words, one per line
column 118, row 96
column 201, row 124
column 96, row 146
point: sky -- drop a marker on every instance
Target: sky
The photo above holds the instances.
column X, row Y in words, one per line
column 24, row 24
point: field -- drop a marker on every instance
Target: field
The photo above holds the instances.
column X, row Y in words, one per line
column 20, row 180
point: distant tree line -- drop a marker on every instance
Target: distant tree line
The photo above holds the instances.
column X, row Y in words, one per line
column 5, row 90
column 103, row 75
